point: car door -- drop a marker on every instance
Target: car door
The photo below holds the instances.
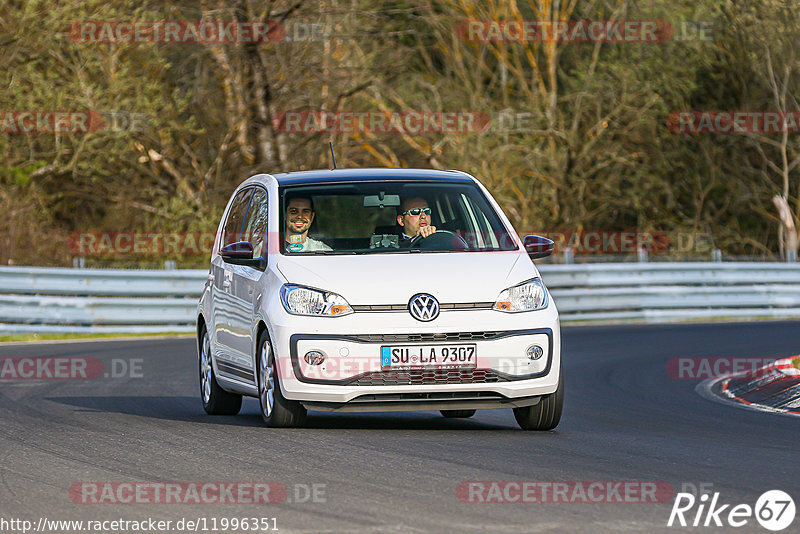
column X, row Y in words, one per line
column 225, row 306
column 243, row 289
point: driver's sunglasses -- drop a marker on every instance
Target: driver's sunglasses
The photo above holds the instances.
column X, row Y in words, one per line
column 416, row 211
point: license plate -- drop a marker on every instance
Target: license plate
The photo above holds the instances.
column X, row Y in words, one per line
column 428, row 356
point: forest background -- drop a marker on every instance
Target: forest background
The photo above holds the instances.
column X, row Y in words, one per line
column 582, row 135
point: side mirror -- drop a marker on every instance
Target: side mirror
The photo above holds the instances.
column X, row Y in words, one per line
column 538, row 246
column 241, row 253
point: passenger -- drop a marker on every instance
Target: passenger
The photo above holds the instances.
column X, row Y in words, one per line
column 299, row 216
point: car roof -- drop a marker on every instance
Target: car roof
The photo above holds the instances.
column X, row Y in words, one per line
column 370, row 174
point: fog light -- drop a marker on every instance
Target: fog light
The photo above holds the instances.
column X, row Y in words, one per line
column 535, row 352
column 314, row 357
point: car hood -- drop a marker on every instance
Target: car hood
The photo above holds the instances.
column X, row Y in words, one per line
column 395, row 278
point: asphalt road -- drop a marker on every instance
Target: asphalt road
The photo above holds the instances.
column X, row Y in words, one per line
column 625, row 419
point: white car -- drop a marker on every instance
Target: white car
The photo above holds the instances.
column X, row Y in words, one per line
column 366, row 290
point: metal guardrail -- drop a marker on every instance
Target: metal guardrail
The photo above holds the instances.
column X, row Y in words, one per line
column 54, row 300
column 662, row 292
column 35, row 299
column 105, row 282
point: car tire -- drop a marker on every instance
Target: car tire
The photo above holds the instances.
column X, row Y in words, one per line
column 276, row 410
column 460, row 414
column 546, row 414
column 216, row 401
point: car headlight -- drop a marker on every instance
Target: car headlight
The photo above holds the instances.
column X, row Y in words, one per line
column 301, row 300
column 527, row 296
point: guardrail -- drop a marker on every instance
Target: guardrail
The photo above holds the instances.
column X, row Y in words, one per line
column 34, row 299
column 51, row 300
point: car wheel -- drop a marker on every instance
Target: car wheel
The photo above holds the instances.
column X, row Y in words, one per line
column 276, row 411
column 461, row 414
column 216, row 401
column 546, row 414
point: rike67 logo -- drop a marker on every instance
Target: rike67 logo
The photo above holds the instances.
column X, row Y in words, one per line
column 774, row 510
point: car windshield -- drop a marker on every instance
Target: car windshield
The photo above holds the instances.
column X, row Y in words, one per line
column 390, row 217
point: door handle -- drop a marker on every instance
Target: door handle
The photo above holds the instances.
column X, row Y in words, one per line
column 226, row 283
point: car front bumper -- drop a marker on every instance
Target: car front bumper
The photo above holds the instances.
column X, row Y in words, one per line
column 351, row 377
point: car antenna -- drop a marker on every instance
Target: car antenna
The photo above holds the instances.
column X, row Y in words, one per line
column 332, row 155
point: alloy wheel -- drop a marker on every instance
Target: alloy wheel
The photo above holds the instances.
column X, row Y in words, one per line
column 266, row 383
column 205, row 368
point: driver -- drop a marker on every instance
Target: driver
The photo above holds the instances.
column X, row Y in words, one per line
column 415, row 219
column 299, row 216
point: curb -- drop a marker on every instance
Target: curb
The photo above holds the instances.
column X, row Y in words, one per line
column 786, row 366
column 773, row 388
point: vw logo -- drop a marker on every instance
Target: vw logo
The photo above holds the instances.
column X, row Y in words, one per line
column 423, row 307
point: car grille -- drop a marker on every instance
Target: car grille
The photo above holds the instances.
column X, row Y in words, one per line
column 404, row 307
column 421, row 377
column 414, row 338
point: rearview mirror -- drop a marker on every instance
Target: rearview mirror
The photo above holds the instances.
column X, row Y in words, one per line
column 538, row 246
column 381, row 200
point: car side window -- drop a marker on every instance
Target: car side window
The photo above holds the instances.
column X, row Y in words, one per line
column 233, row 230
column 256, row 225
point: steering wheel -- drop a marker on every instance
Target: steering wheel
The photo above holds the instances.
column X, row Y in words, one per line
column 439, row 240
